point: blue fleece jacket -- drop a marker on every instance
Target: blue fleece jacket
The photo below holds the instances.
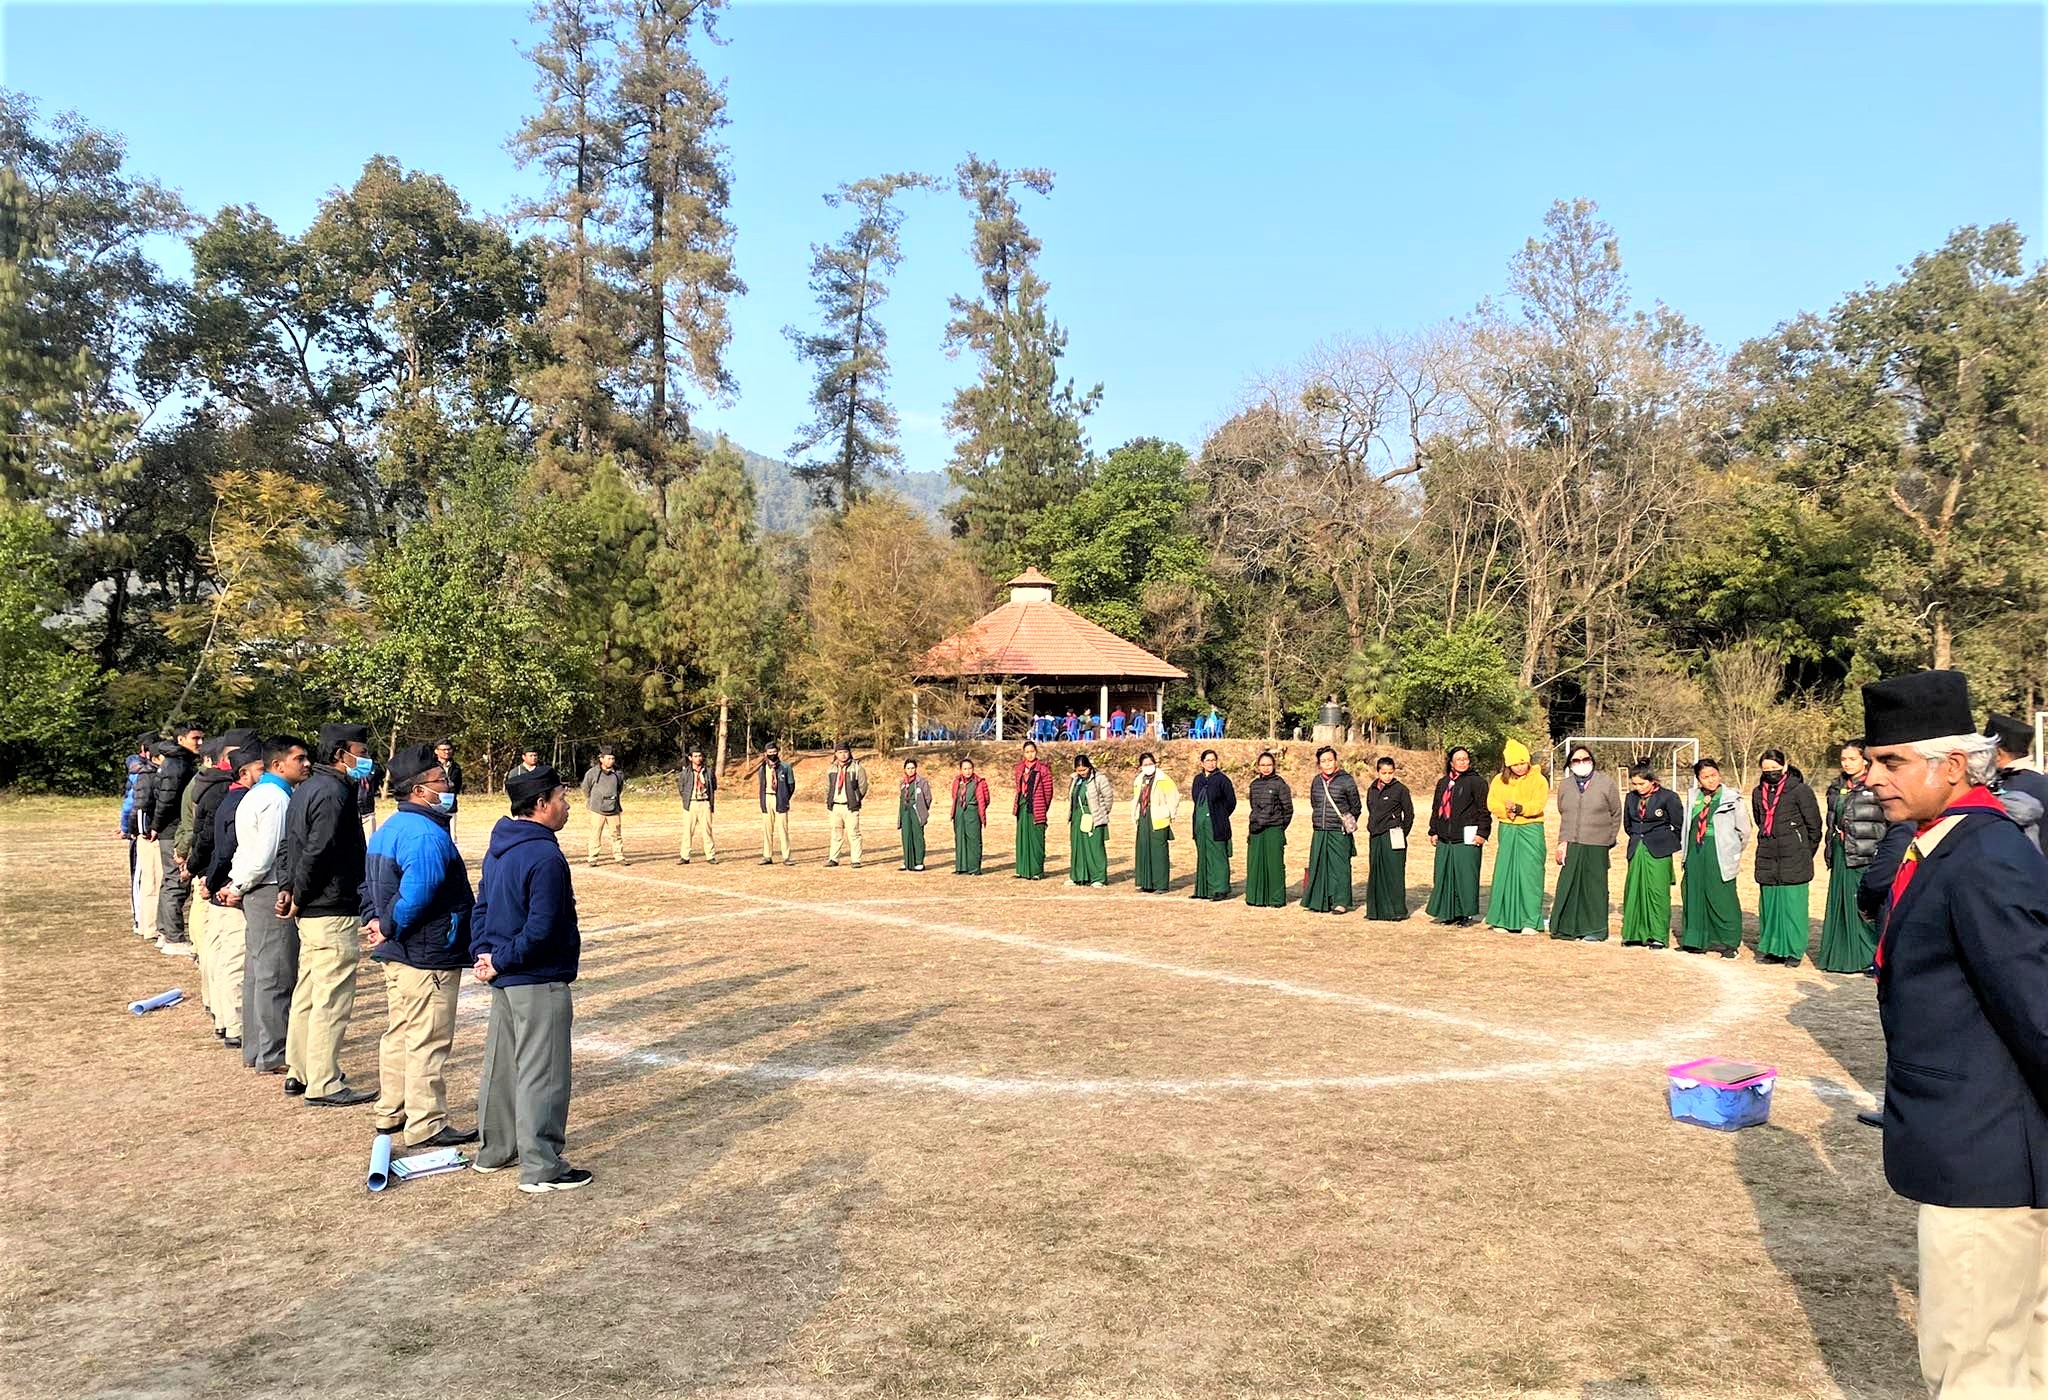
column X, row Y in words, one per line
column 525, row 909
column 416, row 887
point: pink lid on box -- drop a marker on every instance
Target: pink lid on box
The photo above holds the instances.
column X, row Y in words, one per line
column 1717, row 1073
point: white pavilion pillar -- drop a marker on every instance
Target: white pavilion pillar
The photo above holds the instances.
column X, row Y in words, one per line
column 1159, row 715
column 1102, row 715
column 999, row 712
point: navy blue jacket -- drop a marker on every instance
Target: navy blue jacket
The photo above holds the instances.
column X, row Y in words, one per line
column 1963, row 994
column 224, row 841
column 525, row 915
column 417, row 889
column 1216, row 790
column 1656, row 821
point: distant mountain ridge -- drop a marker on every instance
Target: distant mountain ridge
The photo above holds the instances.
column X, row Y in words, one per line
column 783, row 503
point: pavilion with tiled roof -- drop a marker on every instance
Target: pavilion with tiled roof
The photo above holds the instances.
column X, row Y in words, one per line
column 1052, row 651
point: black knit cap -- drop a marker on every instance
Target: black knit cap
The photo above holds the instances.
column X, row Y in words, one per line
column 333, row 736
column 2013, row 735
column 1923, row 705
column 240, row 738
column 528, row 786
column 408, row 764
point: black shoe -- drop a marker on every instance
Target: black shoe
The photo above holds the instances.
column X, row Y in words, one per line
column 682, row 860
column 233, row 1042
column 1729, row 952
column 1656, row 947
column 831, row 864
column 393, row 1131
column 1687, row 948
column 766, row 861
column 344, row 1097
column 711, row 860
column 294, row 1087
column 567, row 1181
column 447, row 1137
column 220, row 1032
column 1872, row 1120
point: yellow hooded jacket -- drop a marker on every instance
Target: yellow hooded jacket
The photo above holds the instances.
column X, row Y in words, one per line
column 1530, row 790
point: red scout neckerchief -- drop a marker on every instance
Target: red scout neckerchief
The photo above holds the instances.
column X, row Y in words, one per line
column 1705, row 814
column 1977, row 799
column 1769, row 798
column 1443, row 806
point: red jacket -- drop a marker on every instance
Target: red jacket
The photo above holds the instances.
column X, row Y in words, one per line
column 1038, row 777
column 979, row 790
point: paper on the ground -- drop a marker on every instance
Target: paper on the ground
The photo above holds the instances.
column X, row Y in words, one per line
column 380, row 1162
column 447, row 1159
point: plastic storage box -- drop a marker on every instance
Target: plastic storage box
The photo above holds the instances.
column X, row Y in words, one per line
column 1721, row 1094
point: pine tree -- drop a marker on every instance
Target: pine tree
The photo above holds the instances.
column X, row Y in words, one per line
column 680, row 254
column 853, row 421
column 1020, row 442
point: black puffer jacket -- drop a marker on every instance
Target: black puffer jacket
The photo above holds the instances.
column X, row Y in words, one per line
column 1467, row 791
column 168, row 792
column 1856, row 819
column 1271, row 803
column 1787, row 838
column 1332, row 799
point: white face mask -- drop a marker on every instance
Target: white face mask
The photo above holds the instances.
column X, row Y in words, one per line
column 1146, row 770
column 1583, row 770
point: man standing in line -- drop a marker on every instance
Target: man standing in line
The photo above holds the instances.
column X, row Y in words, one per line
column 529, row 763
column 603, row 786
column 323, row 888
column 913, row 809
column 416, row 904
column 138, row 764
column 527, row 945
column 149, row 870
column 846, row 787
column 230, row 923
column 208, row 788
column 697, row 785
column 1962, row 991
column 1032, row 782
column 255, row 880
column 166, row 801
column 451, row 772
column 2016, row 770
column 775, row 786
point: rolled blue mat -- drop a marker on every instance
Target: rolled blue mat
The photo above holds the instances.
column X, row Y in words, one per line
column 380, row 1162
column 157, row 1002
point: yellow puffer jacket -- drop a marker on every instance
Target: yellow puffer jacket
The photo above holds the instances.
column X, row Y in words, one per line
column 1530, row 790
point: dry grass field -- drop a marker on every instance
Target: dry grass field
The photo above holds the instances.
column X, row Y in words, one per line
column 873, row 1133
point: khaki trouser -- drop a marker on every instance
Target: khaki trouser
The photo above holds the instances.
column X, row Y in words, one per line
column 774, row 824
column 697, row 829
column 322, row 999
column 201, row 912
column 230, row 938
column 617, row 823
column 149, row 888
column 412, row 1057
column 844, row 820
column 1984, row 1303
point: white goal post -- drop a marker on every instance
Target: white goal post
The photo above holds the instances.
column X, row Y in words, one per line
column 1617, row 753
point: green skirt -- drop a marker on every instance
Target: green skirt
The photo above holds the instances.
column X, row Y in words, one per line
column 1329, row 871
column 967, row 840
column 1646, row 899
column 1030, row 848
column 1848, row 941
column 1782, row 929
column 1087, row 849
column 1517, row 898
column 912, row 831
column 1454, row 890
column 1265, row 868
column 1154, row 857
column 1212, row 858
column 1709, row 914
column 1580, row 907
column 1386, row 879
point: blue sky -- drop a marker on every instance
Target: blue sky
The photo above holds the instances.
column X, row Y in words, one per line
column 1235, row 183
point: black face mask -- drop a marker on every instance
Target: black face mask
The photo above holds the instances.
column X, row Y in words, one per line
column 1773, row 779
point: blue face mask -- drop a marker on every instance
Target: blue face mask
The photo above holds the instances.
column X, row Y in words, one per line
column 362, row 768
column 446, row 801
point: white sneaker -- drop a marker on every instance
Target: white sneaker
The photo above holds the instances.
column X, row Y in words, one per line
column 1528, row 932
column 175, row 949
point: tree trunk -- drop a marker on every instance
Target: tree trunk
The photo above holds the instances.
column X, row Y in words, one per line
column 724, row 711
column 117, row 622
column 1944, row 638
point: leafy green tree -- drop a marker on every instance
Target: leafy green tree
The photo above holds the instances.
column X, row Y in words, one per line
column 1019, row 441
column 1126, row 532
column 1458, row 686
column 852, row 421
column 53, row 726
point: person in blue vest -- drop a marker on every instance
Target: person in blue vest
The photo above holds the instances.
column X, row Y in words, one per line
column 416, row 907
column 527, row 944
column 1962, row 989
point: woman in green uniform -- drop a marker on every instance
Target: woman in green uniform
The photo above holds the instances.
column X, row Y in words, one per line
column 1215, row 799
column 1389, row 818
column 1459, row 825
column 1271, row 805
column 970, row 817
column 913, row 809
column 1856, row 824
column 1334, row 808
column 1157, row 799
column 1654, row 819
column 1088, row 803
column 1716, row 830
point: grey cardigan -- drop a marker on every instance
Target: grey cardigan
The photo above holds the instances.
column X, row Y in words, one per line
column 919, row 795
column 1589, row 818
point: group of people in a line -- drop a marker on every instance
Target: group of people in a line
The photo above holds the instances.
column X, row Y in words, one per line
column 268, row 874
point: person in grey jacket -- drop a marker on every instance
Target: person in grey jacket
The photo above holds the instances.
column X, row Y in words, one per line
column 846, row 788
column 603, row 786
column 1588, row 822
column 697, row 785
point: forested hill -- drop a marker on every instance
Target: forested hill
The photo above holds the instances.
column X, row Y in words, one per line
column 783, row 503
